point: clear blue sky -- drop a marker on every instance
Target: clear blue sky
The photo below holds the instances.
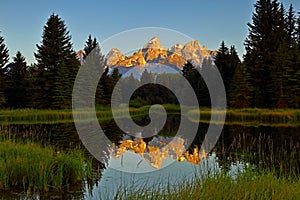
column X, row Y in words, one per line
column 210, row 22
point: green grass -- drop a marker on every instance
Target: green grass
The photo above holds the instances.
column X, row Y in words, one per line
column 33, row 116
column 30, row 167
column 247, row 117
column 248, row 185
column 250, row 116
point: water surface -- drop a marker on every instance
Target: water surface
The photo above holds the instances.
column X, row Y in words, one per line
column 238, row 146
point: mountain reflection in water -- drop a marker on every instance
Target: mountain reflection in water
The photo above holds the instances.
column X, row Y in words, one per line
column 157, row 150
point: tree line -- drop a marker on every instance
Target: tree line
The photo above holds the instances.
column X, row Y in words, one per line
column 268, row 76
column 49, row 82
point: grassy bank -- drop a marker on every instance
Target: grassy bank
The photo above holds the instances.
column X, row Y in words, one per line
column 248, row 185
column 247, row 117
column 33, row 116
column 30, row 167
column 251, row 116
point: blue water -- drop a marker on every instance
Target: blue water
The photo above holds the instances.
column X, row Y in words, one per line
column 172, row 174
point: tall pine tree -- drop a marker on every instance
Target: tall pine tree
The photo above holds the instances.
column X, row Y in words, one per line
column 222, row 63
column 93, row 57
column 57, row 66
column 109, row 86
column 271, row 56
column 17, row 90
column 298, row 31
column 197, row 82
column 4, row 58
column 90, row 45
column 257, row 44
column 266, row 35
column 295, row 89
column 226, row 62
column 291, row 27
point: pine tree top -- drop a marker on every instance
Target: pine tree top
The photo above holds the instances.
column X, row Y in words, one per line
column 4, row 56
column 56, row 45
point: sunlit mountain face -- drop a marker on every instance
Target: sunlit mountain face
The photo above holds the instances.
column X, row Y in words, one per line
column 154, row 58
column 158, row 150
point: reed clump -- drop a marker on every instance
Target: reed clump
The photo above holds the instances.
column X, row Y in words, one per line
column 249, row 185
column 30, row 167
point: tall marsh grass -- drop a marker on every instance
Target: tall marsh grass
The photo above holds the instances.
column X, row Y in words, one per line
column 248, row 185
column 30, row 167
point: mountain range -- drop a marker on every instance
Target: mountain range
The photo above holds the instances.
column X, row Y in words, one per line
column 154, row 58
column 153, row 52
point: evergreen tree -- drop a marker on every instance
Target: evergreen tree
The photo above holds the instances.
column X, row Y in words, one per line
column 257, row 48
column 295, row 85
column 93, row 57
column 113, row 79
column 90, row 44
column 284, row 76
column 266, row 35
column 240, row 90
column 4, row 58
column 57, row 66
column 207, row 70
column 17, row 90
column 291, row 27
column 192, row 75
column 197, row 82
column 279, row 28
column 108, row 83
column 234, row 59
column 222, row 58
column 282, row 70
column 271, row 55
column 259, row 30
column 296, row 66
column 103, row 84
column 226, row 62
column 298, row 31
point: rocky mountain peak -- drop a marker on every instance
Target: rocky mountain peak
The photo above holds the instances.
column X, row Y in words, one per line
column 136, row 59
column 176, row 48
column 114, row 56
column 194, row 53
column 152, row 43
column 192, row 45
